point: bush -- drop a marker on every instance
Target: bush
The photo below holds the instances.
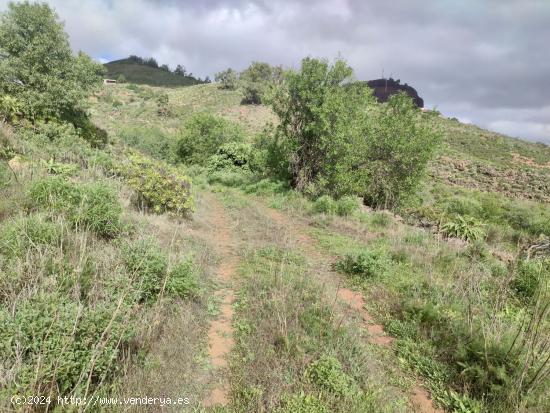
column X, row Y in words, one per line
column 51, row 342
column 303, row 403
column 182, row 281
column 151, row 141
column 231, row 155
column 326, row 372
column 466, row 228
column 347, row 205
column 159, row 186
column 366, row 264
column 256, row 81
column 325, row 205
column 227, row 79
column 93, row 206
column 146, row 262
column 202, row 136
column 318, row 122
column 94, row 135
column 530, row 276
column 55, row 194
column 400, row 143
column 19, row 235
column 99, row 210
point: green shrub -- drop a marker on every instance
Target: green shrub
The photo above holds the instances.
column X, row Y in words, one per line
column 325, row 205
column 94, row 207
column 227, row 79
column 466, row 228
column 303, row 403
column 347, row 205
column 151, row 141
column 182, row 281
column 366, row 264
column 147, row 265
column 231, row 155
column 52, row 342
column 202, row 136
column 256, row 81
column 19, row 235
column 326, row 372
column 99, row 210
column 400, row 144
column 94, row 135
column 159, row 186
column 464, row 206
column 59, row 168
column 530, row 276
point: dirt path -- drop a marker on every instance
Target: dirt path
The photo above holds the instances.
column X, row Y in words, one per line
column 220, row 334
column 420, row 398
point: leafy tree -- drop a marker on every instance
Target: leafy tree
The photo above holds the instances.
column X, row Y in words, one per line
column 37, row 67
column 151, row 62
column 203, row 134
column 256, row 80
column 333, row 139
column 180, row 70
column 400, row 141
column 227, row 79
column 165, row 68
column 121, row 78
column 320, row 122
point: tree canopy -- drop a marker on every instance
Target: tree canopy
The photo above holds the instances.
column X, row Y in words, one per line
column 37, row 67
column 333, row 139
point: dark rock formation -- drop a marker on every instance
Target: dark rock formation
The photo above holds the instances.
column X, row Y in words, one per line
column 384, row 88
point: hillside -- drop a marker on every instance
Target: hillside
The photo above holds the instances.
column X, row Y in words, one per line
column 470, row 156
column 146, row 75
column 266, row 299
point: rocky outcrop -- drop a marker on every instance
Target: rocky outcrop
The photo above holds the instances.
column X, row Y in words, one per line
column 384, row 88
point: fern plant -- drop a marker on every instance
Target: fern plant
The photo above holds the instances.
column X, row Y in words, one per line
column 464, row 227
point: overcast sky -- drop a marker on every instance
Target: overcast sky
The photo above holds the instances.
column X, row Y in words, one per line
column 483, row 61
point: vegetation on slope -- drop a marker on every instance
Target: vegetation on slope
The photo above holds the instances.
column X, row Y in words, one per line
column 80, row 281
column 461, row 295
column 96, row 257
column 147, row 72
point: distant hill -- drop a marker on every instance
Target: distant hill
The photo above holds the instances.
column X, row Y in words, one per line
column 147, row 72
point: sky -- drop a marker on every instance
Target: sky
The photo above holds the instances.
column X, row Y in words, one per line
column 483, row 61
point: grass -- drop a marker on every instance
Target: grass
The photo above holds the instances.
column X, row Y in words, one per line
column 293, row 349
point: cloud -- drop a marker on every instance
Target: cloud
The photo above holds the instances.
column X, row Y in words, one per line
column 485, row 61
